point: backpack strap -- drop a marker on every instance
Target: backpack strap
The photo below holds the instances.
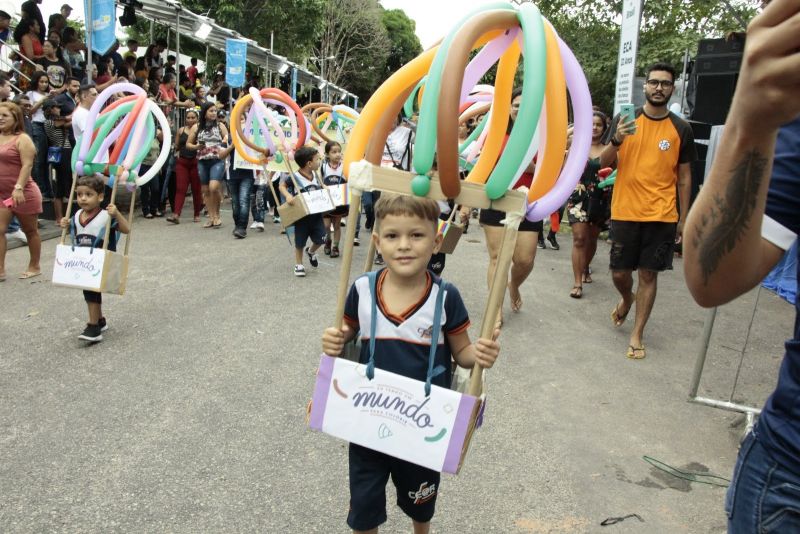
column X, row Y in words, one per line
column 436, row 328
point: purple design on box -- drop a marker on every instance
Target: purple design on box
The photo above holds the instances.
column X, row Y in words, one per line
column 460, row 428
column 321, row 390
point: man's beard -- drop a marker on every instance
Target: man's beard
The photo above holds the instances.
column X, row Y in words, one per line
column 655, row 103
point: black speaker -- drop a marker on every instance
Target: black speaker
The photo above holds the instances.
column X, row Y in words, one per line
column 713, row 96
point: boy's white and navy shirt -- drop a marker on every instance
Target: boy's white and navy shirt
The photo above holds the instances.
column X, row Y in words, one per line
column 402, row 342
column 86, row 234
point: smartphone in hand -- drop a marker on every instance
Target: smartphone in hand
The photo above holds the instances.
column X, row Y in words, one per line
column 628, row 113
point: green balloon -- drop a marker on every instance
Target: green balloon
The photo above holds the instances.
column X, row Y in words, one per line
column 420, row 185
column 408, row 107
column 534, row 52
column 425, row 145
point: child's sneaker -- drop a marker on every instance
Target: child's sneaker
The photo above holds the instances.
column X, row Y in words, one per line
column 356, row 242
column 312, row 257
column 379, row 260
column 102, row 323
column 276, row 219
column 299, row 270
column 327, row 247
column 92, row 333
column 260, row 226
column 254, row 225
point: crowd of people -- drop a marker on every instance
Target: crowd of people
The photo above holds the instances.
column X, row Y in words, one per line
column 645, row 211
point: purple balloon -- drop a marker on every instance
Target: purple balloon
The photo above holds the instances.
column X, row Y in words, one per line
column 581, row 140
column 483, row 61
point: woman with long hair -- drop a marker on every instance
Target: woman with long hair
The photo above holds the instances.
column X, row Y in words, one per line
column 208, row 138
column 19, row 195
column 26, row 34
column 586, row 210
column 40, row 90
column 186, row 170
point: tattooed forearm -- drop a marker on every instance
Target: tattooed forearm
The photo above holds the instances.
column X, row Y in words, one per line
column 726, row 221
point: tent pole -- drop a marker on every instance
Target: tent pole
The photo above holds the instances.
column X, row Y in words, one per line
column 89, row 40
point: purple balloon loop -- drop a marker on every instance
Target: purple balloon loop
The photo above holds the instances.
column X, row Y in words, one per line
column 581, row 139
column 483, row 61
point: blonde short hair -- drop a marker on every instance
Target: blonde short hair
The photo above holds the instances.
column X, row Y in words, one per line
column 422, row 207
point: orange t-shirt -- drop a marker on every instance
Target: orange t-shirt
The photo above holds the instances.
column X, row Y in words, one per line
column 646, row 186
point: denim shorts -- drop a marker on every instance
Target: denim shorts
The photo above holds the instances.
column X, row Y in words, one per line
column 211, row 169
column 764, row 496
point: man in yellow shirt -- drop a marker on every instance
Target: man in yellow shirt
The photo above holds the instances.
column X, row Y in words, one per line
column 654, row 154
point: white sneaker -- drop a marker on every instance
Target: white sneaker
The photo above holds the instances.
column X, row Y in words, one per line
column 299, row 270
column 19, row 234
column 260, row 226
column 254, row 225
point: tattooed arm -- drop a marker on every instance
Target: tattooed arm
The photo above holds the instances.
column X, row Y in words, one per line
column 724, row 254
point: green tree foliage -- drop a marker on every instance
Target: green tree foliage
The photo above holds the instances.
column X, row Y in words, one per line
column 405, row 44
column 669, row 28
column 354, row 36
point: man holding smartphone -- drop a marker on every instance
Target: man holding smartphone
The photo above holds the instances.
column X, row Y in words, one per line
column 654, row 149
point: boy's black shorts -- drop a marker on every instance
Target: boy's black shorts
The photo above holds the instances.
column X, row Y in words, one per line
column 490, row 217
column 642, row 245
column 416, row 486
column 310, row 226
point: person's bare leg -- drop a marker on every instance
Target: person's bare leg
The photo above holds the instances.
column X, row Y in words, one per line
column 206, row 201
column 95, row 312
column 215, row 199
column 31, row 228
column 421, row 528
column 645, row 298
column 521, row 265
column 5, row 219
column 580, row 233
column 591, row 244
column 58, row 208
column 494, row 238
column 623, row 281
column 298, row 256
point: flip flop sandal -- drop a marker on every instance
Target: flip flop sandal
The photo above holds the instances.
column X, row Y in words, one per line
column 26, row 275
column 617, row 318
column 209, row 224
column 636, row 353
column 577, row 292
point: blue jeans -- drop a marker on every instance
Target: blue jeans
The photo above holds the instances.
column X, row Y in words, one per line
column 239, row 189
column 368, row 199
column 260, row 203
column 40, row 167
column 763, row 496
column 210, row 169
column 13, row 225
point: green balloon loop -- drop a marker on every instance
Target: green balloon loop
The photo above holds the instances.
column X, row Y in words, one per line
column 408, row 107
column 420, row 185
column 534, row 53
column 425, row 145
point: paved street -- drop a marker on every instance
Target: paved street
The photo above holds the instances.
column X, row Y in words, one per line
column 190, row 415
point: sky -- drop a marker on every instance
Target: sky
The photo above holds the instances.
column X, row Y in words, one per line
column 433, row 18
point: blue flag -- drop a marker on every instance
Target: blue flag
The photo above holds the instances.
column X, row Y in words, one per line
column 103, row 26
column 235, row 61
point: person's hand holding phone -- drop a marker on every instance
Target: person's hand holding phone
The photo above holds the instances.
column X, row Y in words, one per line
column 626, row 125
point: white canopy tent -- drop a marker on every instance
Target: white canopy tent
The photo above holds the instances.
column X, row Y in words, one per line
column 185, row 23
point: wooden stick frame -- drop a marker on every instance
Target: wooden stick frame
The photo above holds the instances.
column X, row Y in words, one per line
column 395, row 181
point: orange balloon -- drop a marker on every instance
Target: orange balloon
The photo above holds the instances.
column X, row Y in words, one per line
column 498, row 123
column 550, row 161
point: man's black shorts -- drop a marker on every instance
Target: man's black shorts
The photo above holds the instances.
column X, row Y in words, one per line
column 416, row 486
column 642, row 245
